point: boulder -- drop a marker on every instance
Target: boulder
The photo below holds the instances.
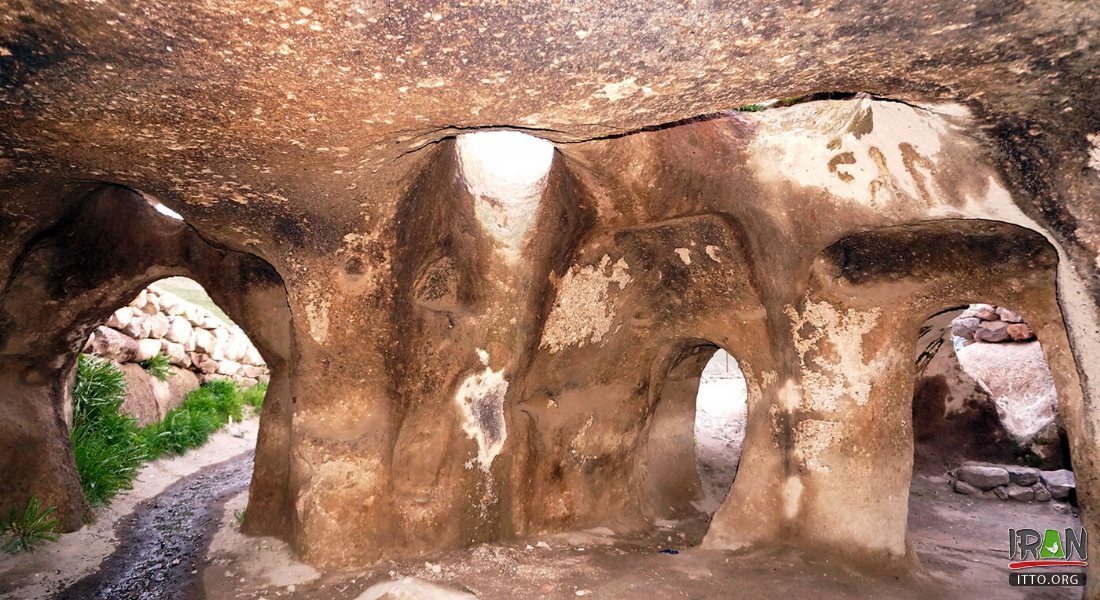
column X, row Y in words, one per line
column 171, row 305
column 1020, row 493
column 229, row 367
column 991, row 331
column 120, row 318
column 984, row 312
column 158, row 325
column 136, row 327
column 140, row 401
column 236, row 347
column 175, row 353
column 1009, row 316
column 253, row 371
column 1020, row 382
column 175, row 390
column 1025, row 476
column 252, row 356
column 113, row 345
column 965, row 488
column 204, row 341
column 965, row 327
column 139, row 302
column 146, row 349
column 1061, row 483
column 983, row 477
column 1020, row 332
column 179, row 330
column 207, row 365
column 195, row 314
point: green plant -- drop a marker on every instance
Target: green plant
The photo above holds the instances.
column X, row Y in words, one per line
column 159, row 366
column 105, row 442
column 751, row 108
column 190, row 424
column 27, row 529
column 254, row 396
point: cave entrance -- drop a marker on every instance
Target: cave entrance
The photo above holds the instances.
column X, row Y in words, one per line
column 695, row 434
column 167, row 373
column 990, row 449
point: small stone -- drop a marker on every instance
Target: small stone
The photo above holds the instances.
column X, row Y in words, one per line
column 1061, row 483
column 983, row 477
column 1001, row 493
column 1041, row 493
column 984, row 312
column 1025, row 476
column 965, row 488
column 1020, row 493
column 992, row 332
column 1060, row 508
column 1009, row 316
column 964, row 327
column 1020, row 332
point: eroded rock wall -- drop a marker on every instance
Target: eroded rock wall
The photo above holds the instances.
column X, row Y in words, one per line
column 438, row 384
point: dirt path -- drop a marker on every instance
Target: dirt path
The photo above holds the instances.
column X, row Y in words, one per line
column 53, row 567
column 163, row 543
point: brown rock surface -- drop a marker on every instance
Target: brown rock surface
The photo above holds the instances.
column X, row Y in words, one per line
column 449, row 366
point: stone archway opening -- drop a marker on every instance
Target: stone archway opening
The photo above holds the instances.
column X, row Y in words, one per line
column 695, row 435
column 990, row 446
column 721, row 414
column 984, row 392
column 100, row 292
column 167, row 342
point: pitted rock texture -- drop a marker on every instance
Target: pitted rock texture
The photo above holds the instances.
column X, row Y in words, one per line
column 918, row 157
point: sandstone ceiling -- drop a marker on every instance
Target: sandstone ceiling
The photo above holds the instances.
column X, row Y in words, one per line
column 253, row 112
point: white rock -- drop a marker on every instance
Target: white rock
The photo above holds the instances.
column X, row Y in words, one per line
column 175, row 353
column 204, row 341
column 411, row 588
column 229, row 367
column 146, row 349
column 120, row 318
column 140, row 301
column 252, row 356
column 179, row 330
column 136, row 326
column 158, row 325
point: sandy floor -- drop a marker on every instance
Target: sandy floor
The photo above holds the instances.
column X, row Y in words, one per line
column 960, row 544
column 53, row 566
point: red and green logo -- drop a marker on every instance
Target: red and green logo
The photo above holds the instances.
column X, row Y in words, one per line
column 1030, row 549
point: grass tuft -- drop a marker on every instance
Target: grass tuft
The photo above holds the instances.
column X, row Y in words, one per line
column 105, row 442
column 254, row 396
column 29, row 527
column 190, row 424
column 160, row 366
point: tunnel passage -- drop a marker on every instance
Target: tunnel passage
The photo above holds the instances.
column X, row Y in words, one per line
column 984, row 392
column 69, row 279
column 693, row 439
column 883, row 285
